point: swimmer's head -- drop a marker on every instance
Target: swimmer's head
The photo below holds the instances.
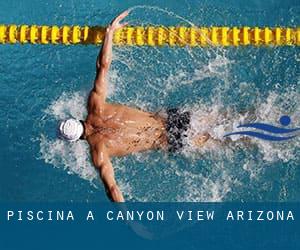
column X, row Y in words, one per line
column 70, row 130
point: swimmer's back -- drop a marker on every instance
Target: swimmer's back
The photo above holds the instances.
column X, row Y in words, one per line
column 126, row 130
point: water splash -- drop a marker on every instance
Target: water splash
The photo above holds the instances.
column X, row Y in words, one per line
column 74, row 158
column 192, row 185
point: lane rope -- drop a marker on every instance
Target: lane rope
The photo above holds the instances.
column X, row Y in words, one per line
column 152, row 35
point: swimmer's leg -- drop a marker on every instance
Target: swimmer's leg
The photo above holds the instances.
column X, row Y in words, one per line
column 200, row 140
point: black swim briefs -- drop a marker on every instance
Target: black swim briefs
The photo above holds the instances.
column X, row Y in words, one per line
column 177, row 124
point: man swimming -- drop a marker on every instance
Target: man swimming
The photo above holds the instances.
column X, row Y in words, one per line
column 117, row 130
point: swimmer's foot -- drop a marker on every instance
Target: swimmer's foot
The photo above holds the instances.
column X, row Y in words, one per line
column 200, row 140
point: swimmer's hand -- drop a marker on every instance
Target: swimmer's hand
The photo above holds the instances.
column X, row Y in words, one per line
column 115, row 24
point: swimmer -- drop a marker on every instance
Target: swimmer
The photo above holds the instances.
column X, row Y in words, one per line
column 114, row 130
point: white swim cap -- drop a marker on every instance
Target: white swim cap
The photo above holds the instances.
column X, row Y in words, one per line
column 70, row 130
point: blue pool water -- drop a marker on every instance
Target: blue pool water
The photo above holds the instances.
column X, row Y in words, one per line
column 42, row 84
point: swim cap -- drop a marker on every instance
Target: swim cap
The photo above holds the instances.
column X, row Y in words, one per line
column 70, row 129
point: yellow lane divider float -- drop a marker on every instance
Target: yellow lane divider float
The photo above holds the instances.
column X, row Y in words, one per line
column 152, row 36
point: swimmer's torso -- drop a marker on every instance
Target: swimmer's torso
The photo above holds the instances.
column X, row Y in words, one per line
column 124, row 130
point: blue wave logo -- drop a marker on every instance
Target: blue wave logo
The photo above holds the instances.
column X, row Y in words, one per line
column 279, row 133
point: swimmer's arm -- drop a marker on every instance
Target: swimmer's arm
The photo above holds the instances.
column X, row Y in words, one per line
column 103, row 164
column 105, row 56
column 102, row 65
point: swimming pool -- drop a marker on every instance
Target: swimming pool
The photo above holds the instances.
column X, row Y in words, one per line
column 42, row 84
